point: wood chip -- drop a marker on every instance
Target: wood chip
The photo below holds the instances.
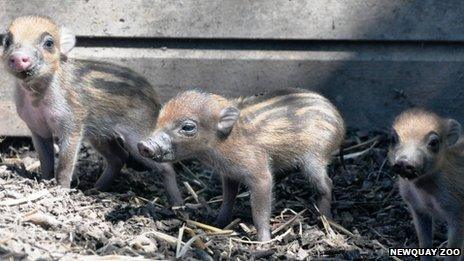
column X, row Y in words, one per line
column 43, row 220
column 208, row 227
column 30, row 198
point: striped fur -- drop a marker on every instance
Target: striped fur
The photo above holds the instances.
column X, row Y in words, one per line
column 275, row 131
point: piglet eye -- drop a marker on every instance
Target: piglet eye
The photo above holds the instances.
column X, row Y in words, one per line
column 434, row 143
column 6, row 42
column 49, row 43
column 188, row 128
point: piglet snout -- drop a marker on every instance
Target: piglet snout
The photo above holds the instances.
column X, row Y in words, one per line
column 158, row 147
column 146, row 149
column 405, row 169
column 20, row 61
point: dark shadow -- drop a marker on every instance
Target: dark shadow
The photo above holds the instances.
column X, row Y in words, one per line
column 371, row 84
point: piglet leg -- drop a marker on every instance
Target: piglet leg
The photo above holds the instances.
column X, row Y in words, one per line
column 44, row 148
column 261, row 199
column 229, row 192
column 170, row 183
column 456, row 237
column 69, row 148
column 317, row 174
column 115, row 157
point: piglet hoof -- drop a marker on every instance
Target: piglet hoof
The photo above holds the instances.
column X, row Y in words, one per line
column 221, row 222
column 92, row 191
column 103, row 183
column 47, row 176
column 264, row 236
column 63, row 182
column 102, row 186
column 177, row 202
column 66, row 185
column 326, row 215
column 324, row 209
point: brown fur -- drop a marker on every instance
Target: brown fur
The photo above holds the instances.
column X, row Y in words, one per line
column 416, row 124
column 72, row 100
column 28, row 29
column 275, row 131
column 438, row 191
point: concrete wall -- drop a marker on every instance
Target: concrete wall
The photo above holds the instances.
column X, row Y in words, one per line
column 372, row 58
column 256, row 19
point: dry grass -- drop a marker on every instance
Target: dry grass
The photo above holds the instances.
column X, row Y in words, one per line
column 40, row 220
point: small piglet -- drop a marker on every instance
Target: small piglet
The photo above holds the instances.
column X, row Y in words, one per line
column 70, row 100
column 247, row 139
column 427, row 152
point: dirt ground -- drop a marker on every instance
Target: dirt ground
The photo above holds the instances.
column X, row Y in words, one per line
column 41, row 221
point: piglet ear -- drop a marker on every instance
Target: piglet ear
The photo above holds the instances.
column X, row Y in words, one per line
column 227, row 119
column 453, row 132
column 67, row 40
